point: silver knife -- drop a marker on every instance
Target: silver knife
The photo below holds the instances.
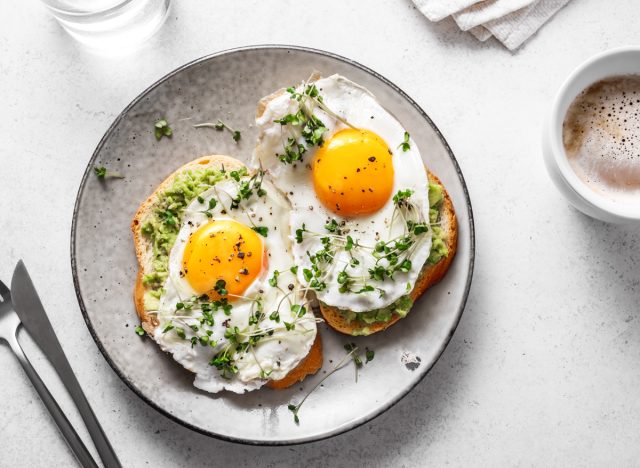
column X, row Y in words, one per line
column 31, row 312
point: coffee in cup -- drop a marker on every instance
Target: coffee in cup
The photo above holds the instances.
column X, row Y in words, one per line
column 601, row 137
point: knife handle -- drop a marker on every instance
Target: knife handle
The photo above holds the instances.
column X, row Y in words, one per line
column 69, row 433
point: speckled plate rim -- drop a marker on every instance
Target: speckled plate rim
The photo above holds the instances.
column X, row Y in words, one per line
column 356, row 422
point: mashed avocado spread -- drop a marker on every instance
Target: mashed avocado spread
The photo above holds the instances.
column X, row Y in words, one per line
column 439, row 250
column 163, row 225
column 400, row 307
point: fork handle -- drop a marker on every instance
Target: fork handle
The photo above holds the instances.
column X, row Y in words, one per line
column 69, row 433
column 65, row 372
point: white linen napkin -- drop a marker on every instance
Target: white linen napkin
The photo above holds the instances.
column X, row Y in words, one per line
column 515, row 28
column 481, row 33
column 511, row 22
column 436, row 10
column 490, row 10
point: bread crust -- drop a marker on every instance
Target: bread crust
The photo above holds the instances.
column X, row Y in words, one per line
column 144, row 254
column 429, row 276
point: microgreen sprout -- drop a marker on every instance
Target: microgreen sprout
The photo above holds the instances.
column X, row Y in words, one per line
column 102, row 172
column 332, row 226
column 405, row 143
column 368, row 354
column 273, row 281
column 295, row 409
column 262, row 230
column 139, row 330
column 394, row 255
column 300, row 233
column 161, row 129
column 401, row 196
column 247, row 187
column 220, row 126
column 312, row 93
column 352, row 348
column 220, row 287
column 211, row 204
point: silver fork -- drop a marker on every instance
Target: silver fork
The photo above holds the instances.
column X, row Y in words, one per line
column 9, row 326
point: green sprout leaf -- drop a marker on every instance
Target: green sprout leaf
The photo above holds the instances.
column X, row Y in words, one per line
column 103, row 173
column 220, row 126
column 273, row 281
column 220, row 287
column 349, row 245
column 294, row 410
column 369, row 354
column 402, row 195
column 405, row 143
column 262, row 230
column 299, row 310
column 332, row 226
column 307, row 274
column 161, row 129
column 352, row 348
column 299, row 234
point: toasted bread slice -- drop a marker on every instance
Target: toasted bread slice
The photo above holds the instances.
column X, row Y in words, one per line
column 429, row 276
column 144, row 252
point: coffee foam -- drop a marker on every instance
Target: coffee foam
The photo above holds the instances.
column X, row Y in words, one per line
column 601, row 137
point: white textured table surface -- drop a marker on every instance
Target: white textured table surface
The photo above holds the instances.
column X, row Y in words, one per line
column 544, row 368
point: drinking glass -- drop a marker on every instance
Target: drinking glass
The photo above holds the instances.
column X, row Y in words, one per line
column 110, row 25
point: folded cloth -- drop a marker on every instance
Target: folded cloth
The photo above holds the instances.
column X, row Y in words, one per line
column 436, row 10
column 481, row 33
column 490, row 10
column 512, row 22
column 515, row 28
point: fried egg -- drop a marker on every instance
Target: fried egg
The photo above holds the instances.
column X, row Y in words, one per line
column 231, row 310
column 358, row 191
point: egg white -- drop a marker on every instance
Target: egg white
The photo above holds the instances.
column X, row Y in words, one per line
column 277, row 354
column 357, row 106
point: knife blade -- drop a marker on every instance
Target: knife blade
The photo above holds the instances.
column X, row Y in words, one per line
column 29, row 308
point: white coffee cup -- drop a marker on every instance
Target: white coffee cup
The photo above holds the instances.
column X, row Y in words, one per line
column 621, row 61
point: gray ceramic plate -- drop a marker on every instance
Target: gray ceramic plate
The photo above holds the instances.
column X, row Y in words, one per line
column 228, row 85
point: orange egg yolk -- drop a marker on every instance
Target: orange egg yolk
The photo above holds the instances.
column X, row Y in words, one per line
column 222, row 250
column 353, row 173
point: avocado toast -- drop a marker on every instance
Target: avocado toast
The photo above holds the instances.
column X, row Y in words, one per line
column 155, row 228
